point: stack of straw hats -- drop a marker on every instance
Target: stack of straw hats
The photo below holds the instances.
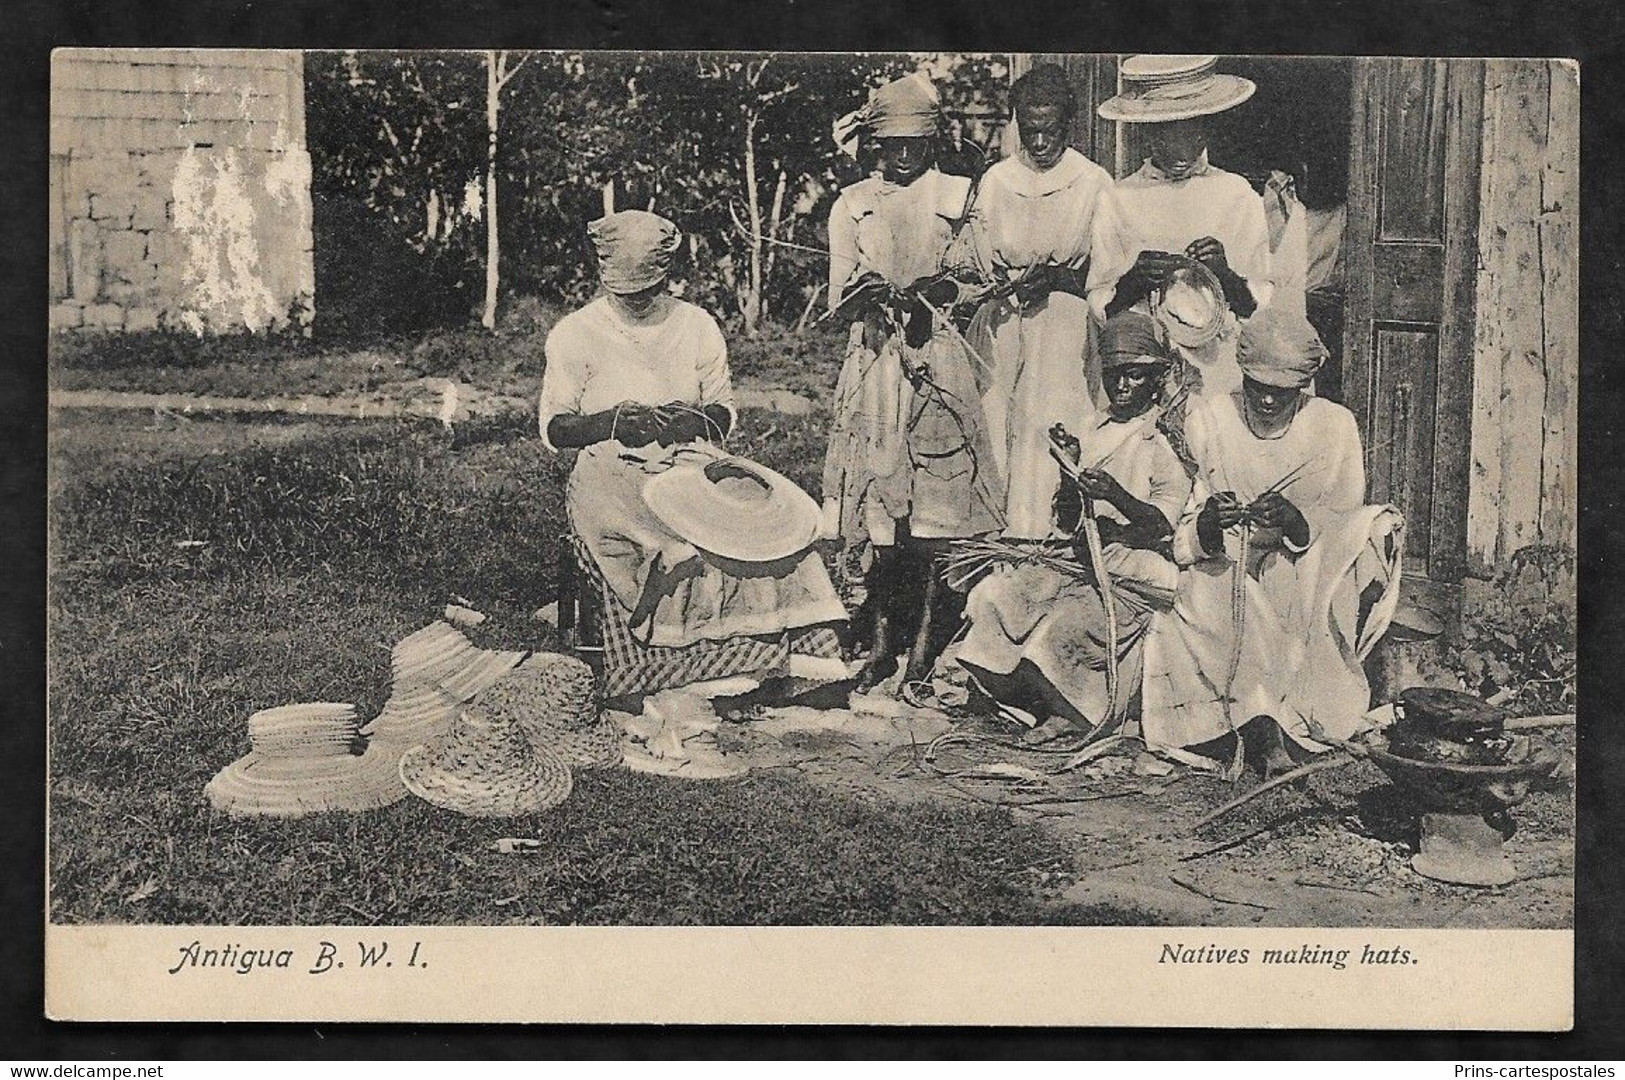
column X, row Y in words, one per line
column 434, row 671
column 306, row 759
column 481, row 732
column 512, row 750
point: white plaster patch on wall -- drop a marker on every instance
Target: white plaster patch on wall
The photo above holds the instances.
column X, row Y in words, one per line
column 214, row 214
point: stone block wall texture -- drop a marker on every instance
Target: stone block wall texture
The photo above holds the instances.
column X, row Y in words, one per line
column 180, row 190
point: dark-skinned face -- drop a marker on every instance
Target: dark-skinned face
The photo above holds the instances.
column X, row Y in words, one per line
column 1266, row 402
column 904, row 159
column 1043, row 133
column 1175, row 147
column 1130, row 389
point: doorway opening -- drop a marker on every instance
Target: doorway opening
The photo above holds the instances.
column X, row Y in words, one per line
column 1300, row 123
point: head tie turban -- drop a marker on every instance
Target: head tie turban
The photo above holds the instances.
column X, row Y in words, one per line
column 634, row 249
column 1278, row 347
column 903, row 108
column 1130, row 337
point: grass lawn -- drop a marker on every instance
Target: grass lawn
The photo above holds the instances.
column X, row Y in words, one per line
column 206, row 569
column 509, row 361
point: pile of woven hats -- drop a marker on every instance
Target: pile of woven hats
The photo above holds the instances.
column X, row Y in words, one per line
column 479, row 732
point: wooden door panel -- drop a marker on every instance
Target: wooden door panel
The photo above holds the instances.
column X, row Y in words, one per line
column 1412, row 185
column 1412, row 261
column 1402, row 427
column 1405, row 282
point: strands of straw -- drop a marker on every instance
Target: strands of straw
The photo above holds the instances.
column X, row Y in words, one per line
column 1097, row 563
column 1238, row 617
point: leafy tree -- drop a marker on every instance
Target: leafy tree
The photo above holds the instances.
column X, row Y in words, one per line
column 735, row 147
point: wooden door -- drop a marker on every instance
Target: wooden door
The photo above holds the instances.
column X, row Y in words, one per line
column 1411, row 265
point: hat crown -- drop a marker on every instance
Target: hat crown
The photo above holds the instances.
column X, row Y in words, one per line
column 304, row 731
column 1150, row 69
column 548, row 686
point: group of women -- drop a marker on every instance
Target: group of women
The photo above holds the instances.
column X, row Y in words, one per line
column 1089, row 372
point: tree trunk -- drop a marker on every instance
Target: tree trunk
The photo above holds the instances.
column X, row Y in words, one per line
column 493, row 90
column 752, row 305
column 774, row 218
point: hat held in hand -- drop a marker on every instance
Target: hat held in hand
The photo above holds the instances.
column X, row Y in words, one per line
column 734, row 508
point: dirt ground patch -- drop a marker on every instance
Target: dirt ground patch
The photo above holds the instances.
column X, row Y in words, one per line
column 1331, row 851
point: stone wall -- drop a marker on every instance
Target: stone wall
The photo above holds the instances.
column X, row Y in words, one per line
column 180, row 190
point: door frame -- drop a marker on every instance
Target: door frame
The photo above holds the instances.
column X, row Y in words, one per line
column 1376, row 80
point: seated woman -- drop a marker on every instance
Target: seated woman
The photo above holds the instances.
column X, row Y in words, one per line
column 1288, row 578
column 635, row 380
column 1038, row 641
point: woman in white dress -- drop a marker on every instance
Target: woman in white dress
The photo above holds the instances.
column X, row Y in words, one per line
column 1029, row 234
column 1178, row 205
column 1288, row 578
column 633, row 380
column 1038, row 639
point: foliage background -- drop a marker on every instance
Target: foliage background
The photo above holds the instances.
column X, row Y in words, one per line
column 398, row 146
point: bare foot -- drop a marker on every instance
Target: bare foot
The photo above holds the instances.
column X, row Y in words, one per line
column 1056, row 727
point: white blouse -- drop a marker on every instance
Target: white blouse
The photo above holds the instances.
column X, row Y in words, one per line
column 598, row 358
column 1148, row 212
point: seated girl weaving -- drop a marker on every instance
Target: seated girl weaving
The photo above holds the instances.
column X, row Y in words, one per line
column 707, row 574
column 1042, row 633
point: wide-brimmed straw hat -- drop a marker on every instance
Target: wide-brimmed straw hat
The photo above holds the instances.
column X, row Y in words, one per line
column 306, row 759
column 553, row 699
column 434, row 671
column 733, row 507
column 1190, row 306
column 1161, row 89
column 484, row 767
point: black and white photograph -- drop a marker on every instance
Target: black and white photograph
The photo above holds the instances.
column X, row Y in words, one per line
column 541, row 489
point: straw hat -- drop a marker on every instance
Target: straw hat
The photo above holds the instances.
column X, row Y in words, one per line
column 733, row 507
column 1190, row 306
column 434, row 670
column 1160, row 89
column 306, row 759
column 554, row 700
column 483, row 767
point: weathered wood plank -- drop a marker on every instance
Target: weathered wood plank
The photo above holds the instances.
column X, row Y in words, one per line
column 1504, row 500
column 1559, row 225
column 248, row 59
column 1370, row 77
column 96, row 134
column 1453, row 416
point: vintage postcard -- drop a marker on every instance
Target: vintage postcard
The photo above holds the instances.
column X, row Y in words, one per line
column 829, row 538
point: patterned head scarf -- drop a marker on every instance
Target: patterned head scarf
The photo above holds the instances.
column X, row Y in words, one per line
column 1130, row 337
column 903, row 108
column 634, row 249
column 1278, row 347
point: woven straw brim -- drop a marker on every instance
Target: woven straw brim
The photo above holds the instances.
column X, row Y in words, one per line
column 479, row 673
column 485, row 788
column 413, row 716
column 256, row 785
column 1221, row 93
column 597, row 746
column 689, row 504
